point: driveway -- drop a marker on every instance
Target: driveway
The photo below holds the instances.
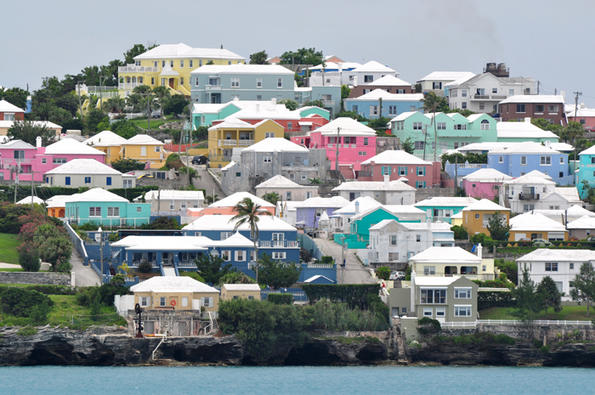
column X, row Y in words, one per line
column 205, row 181
column 353, row 272
column 84, row 276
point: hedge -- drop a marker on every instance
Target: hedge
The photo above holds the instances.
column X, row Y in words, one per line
column 494, row 299
column 355, row 295
column 280, row 298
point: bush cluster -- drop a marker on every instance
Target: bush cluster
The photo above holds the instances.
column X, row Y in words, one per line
column 280, row 298
column 102, row 295
column 22, row 302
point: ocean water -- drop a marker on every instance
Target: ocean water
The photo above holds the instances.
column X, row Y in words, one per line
column 295, row 380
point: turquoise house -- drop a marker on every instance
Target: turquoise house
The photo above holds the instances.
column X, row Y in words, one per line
column 443, row 208
column 101, row 207
column 586, row 171
column 203, row 114
column 452, row 130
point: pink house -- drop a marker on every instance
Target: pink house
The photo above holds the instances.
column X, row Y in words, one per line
column 20, row 158
column 354, row 141
column 401, row 165
column 484, row 183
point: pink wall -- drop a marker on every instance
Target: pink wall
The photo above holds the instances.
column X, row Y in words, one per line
column 349, row 153
column 589, row 122
column 481, row 190
column 34, row 161
column 373, row 172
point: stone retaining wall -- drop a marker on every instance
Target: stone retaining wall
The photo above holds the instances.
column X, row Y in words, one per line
column 34, row 278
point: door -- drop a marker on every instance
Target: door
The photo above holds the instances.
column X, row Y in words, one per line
column 441, row 314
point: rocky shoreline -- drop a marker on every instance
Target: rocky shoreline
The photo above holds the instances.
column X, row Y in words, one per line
column 109, row 346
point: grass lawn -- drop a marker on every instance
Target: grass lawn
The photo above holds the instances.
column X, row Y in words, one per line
column 155, row 123
column 10, row 270
column 67, row 311
column 8, row 248
column 570, row 313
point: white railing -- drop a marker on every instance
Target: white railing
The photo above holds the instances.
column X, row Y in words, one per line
column 128, row 85
column 235, row 143
column 278, row 244
column 535, row 322
column 137, row 69
column 462, row 324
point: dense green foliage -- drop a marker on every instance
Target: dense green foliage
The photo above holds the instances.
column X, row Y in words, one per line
column 435, row 103
column 583, row 285
column 103, row 294
column 193, row 275
column 509, row 268
column 280, row 298
column 28, row 132
column 235, row 277
column 428, row 326
column 162, row 223
column 259, row 57
column 145, row 266
column 355, row 295
column 549, row 294
column 494, row 299
column 498, row 227
column 277, row 274
column 29, row 258
column 22, row 302
column 462, row 158
column 126, row 165
column 212, row 268
column 383, row 272
column 271, row 197
column 302, row 56
column 460, row 233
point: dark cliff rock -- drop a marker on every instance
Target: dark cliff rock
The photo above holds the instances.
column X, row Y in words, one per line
column 338, row 352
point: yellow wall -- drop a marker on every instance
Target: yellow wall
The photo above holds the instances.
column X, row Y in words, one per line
column 177, row 297
column 112, row 153
column 157, row 158
column 268, row 126
column 526, row 235
column 475, row 225
column 229, row 295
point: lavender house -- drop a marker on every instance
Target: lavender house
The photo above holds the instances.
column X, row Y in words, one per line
column 309, row 212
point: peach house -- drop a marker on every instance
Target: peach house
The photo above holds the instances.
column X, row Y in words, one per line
column 226, row 205
column 28, row 162
column 484, row 183
column 400, row 165
column 354, row 141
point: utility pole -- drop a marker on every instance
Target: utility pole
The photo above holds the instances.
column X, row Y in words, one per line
column 337, row 149
column 425, row 132
column 576, row 95
column 435, row 134
column 538, row 83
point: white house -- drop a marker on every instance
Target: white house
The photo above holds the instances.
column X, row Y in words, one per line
column 450, row 261
column 341, row 218
column 332, row 74
column 436, row 81
column 88, row 173
column 286, row 189
column 561, row 265
column 173, row 202
column 533, row 191
column 386, row 192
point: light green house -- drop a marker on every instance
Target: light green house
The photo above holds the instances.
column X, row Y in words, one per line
column 517, row 132
column 442, row 208
column 203, row 114
column 452, row 130
column 101, row 207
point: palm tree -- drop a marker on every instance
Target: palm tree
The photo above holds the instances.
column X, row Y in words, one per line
column 248, row 213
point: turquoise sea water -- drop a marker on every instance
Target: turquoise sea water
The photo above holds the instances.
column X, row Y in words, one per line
column 295, row 380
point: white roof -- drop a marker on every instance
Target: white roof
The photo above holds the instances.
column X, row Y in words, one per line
column 142, row 139
column 68, row 146
column 27, row 200
column 322, row 202
column 364, row 203
column 569, row 193
column 535, row 222
column 208, row 108
column 228, row 166
column 526, row 147
column 588, row 151
column 373, row 67
column 425, row 281
column 243, row 69
column 403, row 209
column 316, row 277
column 172, row 194
column 487, row 175
column 533, row 177
column 395, row 157
column 225, row 223
column 387, row 96
column 562, row 147
column 395, row 185
column 167, row 71
column 181, row 50
column 578, row 211
column 522, row 130
column 275, row 144
column 9, row 107
column 232, row 122
column 450, row 254
column 269, row 111
column 241, row 287
column 534, row 99
column 60, row 200
column 97, row 195
column 235, row 198
column 47, row 124
column 164, row 243
column 16, row 144
column 404, row 115
column 278, row 181
column 485, row 204
column 172, row 284
column 584, row 222
column 84, row 166
column 448, row 76
column 107, row 138
column 235, row 240
column 483, row 147
column 388, row 80
column 347, row 127
column 550, row 254
column 447, row 201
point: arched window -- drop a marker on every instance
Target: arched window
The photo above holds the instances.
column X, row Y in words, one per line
column 485, row 125
column 134, row 80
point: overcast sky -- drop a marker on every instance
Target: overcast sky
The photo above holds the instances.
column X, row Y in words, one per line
column 549, row 40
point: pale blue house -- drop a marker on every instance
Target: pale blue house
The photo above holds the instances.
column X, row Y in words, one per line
column 586, row 171
column 380, row 103
column 519, row 159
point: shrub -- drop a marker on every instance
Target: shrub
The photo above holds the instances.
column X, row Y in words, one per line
column 428, row 326
column 64, row 267
column 460, row 233
column 383, row 273
column 494, row 299
column 145, row 266
column 104, row 294
column 508, row 267
column 29, row 258
column 355, row 295
column 280, row 298
column 193, row 275
column 22, row 302
column 485, row 240
column 327, row 260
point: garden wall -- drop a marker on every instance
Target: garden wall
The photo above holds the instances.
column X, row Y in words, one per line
column 35, row 278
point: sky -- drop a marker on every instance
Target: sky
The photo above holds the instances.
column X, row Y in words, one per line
column 549, row 40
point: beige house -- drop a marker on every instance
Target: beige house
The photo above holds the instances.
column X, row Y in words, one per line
column 174, row 202
column 88, row 173
column 286, row 189
column 240, row 291
column 453, row 261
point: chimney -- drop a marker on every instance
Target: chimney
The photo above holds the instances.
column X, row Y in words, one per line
column 274, row 100
column 356, row 207
column 412, row 285
column 386, row 178
column 480, row 251
column 38, row 141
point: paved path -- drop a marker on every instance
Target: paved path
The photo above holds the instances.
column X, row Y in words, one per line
column 84, row 276
column 9, row 266
column 207, row 182
column 353, row 272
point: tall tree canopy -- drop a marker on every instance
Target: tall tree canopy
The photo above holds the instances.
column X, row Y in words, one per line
column 259, row 58
column 302, row 56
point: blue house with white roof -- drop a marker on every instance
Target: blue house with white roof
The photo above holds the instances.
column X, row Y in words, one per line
column 380, row 103
column 586, row 171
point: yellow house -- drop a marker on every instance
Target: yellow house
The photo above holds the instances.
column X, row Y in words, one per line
column 235, row 133
column 144, row 148
column 175, row 293
column 453, row 261
column 170, row 65
column 457, row 219
column 109, row 143
column 240, row 291
column 477, row 216
column 536, row 226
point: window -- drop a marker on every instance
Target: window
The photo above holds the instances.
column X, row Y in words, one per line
column 279, row 255
column 373, row 110
column 485, row 125
column 196, row 82
column 419, row 145
column 363, row 153
column 392, row 110
column 207, row 301
column 429, row 270
column 181, row 80
column 464, row 93
column 430, row 296
column 464, row 105
column 279, row 83
column 240, row 255
column 494, row 90
column 143, row 151
column 460, row 126
column 87, row 180
column 462, row 293
column 420, row 184
column 385, row 170
column 213, row 81
column 552, row 108
column 402, row 170
column 191, row 63
column 267, row 159
column 561, row 160
column 421, row 171
column 368, row 78
column 145, row 300
column 523, row 161
column 181, row 62
column 139, row 209
column 571, row 266
column 108, row 181
column 520, row 108
column 163, row 63
column 436, row 85
column 539, row 108
column 428, row 312
column 365, row 140
column 551, row 266
column 399, row 125
column 184, row 301
column 94, row 211
column 393, row 240
column 162, row 301
column 417, row 125
column 57, row 161
column 476, row 216
column 67, row 180
column 113, row 211
column 500, row 159
column 152, row 80
column 226, row 255
column 418, row 238
column 462, row 311
column 441, row 125
column 545, row 160
column 269, row 135
column 225, row 235
column 44, row 160
column 235, row 82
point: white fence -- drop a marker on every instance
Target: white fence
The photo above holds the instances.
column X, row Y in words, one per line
column 474, row 324
column 123, row 303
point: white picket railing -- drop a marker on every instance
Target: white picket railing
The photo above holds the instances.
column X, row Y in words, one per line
column 474, row 324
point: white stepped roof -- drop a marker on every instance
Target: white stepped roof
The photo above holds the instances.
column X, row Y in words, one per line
column 278, row 181
column 166, row 284
column 388, row 80
column 172, row 194
column 487, row 175
column 182, row 50
column 551, row 254
column 322, row 202
column 241, row 287
column 226, row 223
column 235, row 198
column 107, row 138
column 235, row 240
column 446, row 254
column 68, row 146
column 584, row 222
column 363, row 203
column 232, row 122
column 507, row 129
column 404, row 115
column 164, row 243
column 84, row 166
column 60, row 200
column 387, row 96
column 485, row 205
column 395, row 185
column 578, row 211
column 243, row 69
column 527, row 147
column 588, row 151
column 373, row 67
column 428, row 281
column 27, row 200
column 448, row 76
column 17, row 144
column 533, row 177
column 447, row 201
column 98, row 195
column 275, row 144
column 556, row 99
column 142, row 139
column 395, row 157
column 568, row 193
column 347, row 127
column 403, row 209
column 535, row 222
column 9, row 107
column 167, row 71
column 47, row 124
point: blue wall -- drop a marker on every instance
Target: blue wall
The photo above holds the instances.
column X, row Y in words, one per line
column 362, row 107
column 511, row 164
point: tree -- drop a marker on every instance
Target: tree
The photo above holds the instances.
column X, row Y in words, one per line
column 583, row 286
column 549, row 294
column 435, row 103
column 289, row 104
column 302, row 56
column 162, row 94
column 126, row 165
column 136, row 50
column 272, row 197
column 345, row 91
column 277, row 274
column 248, row 213
column 114, row 104
column 460, row 232
column 93, row 118
column 259, row 57
column 28, row 132
column 408, row 146
column 212, row 268
column 175, row 105
column 497, row 227
column 235, row 278
column 125, row 128
column 16, row 96
column 383, row 272
column 528, row 301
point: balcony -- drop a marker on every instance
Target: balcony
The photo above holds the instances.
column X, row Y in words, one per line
column 278, row 244
column 131, row 68
column 212, row 87
column 528, row 196
column 235, row 143
column 489, row 97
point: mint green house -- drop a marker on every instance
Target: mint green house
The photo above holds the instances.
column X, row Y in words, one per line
column 314, row 110
column 203, row 114
column 442, row 208
column 101, row 207
column 520, row 132
column 452, row 131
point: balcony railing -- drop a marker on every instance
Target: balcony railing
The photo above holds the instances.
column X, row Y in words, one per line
column 131, row 68
column 528, row 196
column 128, row 85
column 235, row 143
column 278, row 244
column 489, row 97
column 213, row 87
